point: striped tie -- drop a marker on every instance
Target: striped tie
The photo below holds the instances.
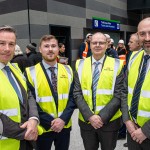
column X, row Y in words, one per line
column 137, row 91
column 13, row 83
column 94, row 83
column 53, row 79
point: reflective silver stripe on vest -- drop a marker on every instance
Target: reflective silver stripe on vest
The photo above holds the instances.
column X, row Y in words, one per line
column 10, row 112
column 63, row 96
column 106, row 92
column 116, row 68
column 145, row 94
column 98, row 108
column 33, row 74
column 143, row 113
column 59, row 114
column 3, row 138
column 44, row 99
column 86, row 92
column 130, row 90
column 80, row 67
column 69, row 73
column 52, row 114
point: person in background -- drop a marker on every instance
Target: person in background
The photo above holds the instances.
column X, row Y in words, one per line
column 33, row 56
column 121, row 50
column 136, row 93
column 20, row 59
column 110, row 51
column 18, row 111
column 112, row 43
column 61, row 56
column 85, row 50
column 52, row 85
column 97, row 86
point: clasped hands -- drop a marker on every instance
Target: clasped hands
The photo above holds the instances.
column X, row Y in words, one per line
column 96, row 121
column 57, row 125
column 31, row 132
column 135, row 132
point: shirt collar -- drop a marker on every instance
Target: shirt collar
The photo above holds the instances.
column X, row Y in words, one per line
column 3, row 65
column 100, row 60
column 46, row 66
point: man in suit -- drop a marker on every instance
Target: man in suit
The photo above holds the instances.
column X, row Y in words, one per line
column 99, row 117
column 136, row 93
column 51, row 84
column 18, row 111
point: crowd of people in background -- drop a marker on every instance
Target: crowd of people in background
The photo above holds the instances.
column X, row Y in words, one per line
column 109, row 86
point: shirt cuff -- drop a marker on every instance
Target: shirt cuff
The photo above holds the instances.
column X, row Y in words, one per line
column 35, row 118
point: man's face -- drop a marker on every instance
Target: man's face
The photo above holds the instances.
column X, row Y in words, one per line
column 144, row 34
column 98, row 45
column 133, row 43
column 49, row 50
column 7, row 46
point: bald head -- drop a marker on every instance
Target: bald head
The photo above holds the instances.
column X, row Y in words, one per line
column 144, row 34
column 98, row 45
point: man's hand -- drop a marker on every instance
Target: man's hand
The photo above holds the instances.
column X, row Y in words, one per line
column 32, row 132
column 96, row 121
column 138, row 136
column 57, row 125
column 131, row 126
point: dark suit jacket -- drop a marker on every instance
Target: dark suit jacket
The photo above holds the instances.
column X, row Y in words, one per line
column 109, row 110
column 28, row 109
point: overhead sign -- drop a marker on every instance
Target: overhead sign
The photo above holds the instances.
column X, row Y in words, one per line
column 101, row 23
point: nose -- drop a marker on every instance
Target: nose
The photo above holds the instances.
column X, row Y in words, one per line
column 6, row 47
column 147, row 37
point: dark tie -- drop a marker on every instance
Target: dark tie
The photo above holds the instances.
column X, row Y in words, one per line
column 137, row 91
column 13, row 83
column 53, row 79
column 96, row 74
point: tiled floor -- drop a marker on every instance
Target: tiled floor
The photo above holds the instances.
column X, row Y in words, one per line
column 76, row 141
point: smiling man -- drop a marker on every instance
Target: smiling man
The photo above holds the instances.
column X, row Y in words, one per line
column 98, row 82
column 18, row 111
column 137, row 93
column 51, row 84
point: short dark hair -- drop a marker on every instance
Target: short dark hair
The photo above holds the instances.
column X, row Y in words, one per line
column 8, row 29
column 60, row 45
column 47, row 37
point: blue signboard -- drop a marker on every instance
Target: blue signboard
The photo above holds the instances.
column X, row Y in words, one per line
column 105, row 24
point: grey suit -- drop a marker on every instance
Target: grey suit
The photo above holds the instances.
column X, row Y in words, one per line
column 106, row 114
column 145, row 128
column 12, row 129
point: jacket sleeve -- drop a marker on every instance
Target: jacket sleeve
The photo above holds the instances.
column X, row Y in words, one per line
column 146, row 128
column 79, row 99
column 67, row 113
column 10, row 129
column 112, row 107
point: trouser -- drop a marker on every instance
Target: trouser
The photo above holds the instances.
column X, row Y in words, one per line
column 61, row 140
column 92, row 138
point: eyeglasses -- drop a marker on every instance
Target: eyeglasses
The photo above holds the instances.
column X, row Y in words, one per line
column 99, row 43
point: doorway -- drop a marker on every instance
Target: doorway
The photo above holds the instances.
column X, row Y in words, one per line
column 62, row 33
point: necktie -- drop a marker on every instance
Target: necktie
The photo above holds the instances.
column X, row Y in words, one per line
column 13, row 83
column 94, row 83
column 137, row 91
column 53, row 79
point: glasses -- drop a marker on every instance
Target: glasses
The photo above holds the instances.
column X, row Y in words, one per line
column 99, row 43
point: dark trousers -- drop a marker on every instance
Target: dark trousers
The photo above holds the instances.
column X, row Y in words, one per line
column 132, row 145
column 61, row 140
column 92, row 138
